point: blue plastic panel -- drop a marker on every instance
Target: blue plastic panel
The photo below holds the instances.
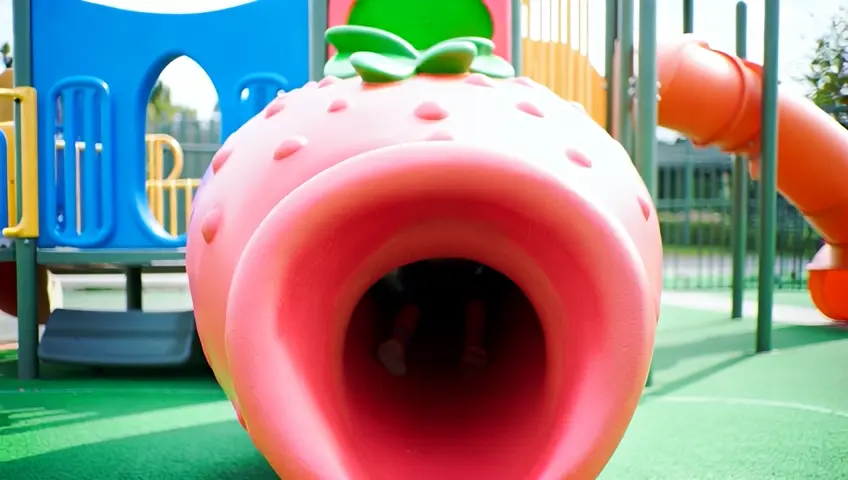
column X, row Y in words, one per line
column 4, row 184
column 99, row 64
column 119, row 339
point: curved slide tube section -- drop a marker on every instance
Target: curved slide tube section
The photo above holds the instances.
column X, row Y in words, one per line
column 339, row 182
column 715, row 99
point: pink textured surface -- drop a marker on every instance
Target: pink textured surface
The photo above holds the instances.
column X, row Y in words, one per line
column 501, row 11
column 338, row 182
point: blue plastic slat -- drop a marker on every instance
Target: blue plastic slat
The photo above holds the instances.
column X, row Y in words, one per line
column 4, row 181
column 79, row 121
column 262, row 88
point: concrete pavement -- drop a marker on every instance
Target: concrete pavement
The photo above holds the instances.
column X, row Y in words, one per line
column 118, row 281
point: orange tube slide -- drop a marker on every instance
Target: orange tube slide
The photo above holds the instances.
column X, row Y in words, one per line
column 715, row 99
column 337, row 183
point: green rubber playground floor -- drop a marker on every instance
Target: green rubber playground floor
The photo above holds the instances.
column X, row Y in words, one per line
column 715, row 411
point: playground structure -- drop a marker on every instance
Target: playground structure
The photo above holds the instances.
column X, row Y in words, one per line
column 133, row 238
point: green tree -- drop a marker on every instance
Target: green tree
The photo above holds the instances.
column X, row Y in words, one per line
column 160, row 108
column 6, row 52
column 828, row 74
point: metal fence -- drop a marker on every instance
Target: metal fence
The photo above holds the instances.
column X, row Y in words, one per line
column 199, row 140
column 694, row 207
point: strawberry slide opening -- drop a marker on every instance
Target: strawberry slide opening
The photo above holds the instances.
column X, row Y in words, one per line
column 568, row 346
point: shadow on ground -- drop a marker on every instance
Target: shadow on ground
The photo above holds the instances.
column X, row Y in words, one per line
column 215, row 451
column 69, row 395
column 693, row 345
column 783, row 338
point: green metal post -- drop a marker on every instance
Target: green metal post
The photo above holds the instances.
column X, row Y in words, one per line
column 609, row 60
column 688, row 16
column 626, row 14
column 134, row 288
column 768, row 177
column 25, row 249
column 317, row 45
column 646, row 138
column 515, row 48
column 689, row 166
column 740, row 186
column 27, row 278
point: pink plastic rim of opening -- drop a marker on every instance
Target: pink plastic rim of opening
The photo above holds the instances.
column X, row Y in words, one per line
column 615, row 347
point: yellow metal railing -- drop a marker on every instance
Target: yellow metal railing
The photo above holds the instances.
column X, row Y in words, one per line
column 555, row 52
column 157, row 182
column 25, row 225
column 174, row 186
column 158, row 186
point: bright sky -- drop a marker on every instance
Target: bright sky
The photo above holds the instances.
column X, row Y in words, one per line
column 801, row 22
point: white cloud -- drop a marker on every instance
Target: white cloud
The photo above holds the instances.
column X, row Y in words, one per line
column 171, row 6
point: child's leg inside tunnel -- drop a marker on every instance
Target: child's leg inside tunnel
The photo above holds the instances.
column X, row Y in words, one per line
column 392, row 352
column 474, row 355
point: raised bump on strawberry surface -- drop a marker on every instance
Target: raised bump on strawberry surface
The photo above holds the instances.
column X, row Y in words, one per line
column 479, row 80
column 530, row 109
column 221, row 158
column 289, row 147
column 275, row 108
column 525, row 81
column 431, row 111
column 578, row 158
column 327, row 81
column 210, row 225
column 645, row 207
column 337, row 105
column 440, row 136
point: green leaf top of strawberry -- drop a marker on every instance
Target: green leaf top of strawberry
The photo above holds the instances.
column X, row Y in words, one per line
column 378, row 56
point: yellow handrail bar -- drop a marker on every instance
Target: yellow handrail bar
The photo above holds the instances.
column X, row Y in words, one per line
column 27, row 225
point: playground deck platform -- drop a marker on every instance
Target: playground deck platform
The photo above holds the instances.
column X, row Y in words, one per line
column 715, row 411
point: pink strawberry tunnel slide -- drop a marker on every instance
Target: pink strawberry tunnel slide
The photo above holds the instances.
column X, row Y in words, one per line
column 399, row 156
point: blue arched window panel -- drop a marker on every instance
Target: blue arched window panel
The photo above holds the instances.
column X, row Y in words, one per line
column 123, row 49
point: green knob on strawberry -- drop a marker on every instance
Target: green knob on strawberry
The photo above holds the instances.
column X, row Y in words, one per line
column 396, row 156
column 380, row 57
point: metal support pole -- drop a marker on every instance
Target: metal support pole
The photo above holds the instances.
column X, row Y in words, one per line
column 317, row 46
column 515, row 48
column 25, row 248
column 609, row 61
column 626, row 14
column 134, row 288
column 689, row 167
column 768, row 177
column 688, row 16
column 739, row 212
column 646, row 138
